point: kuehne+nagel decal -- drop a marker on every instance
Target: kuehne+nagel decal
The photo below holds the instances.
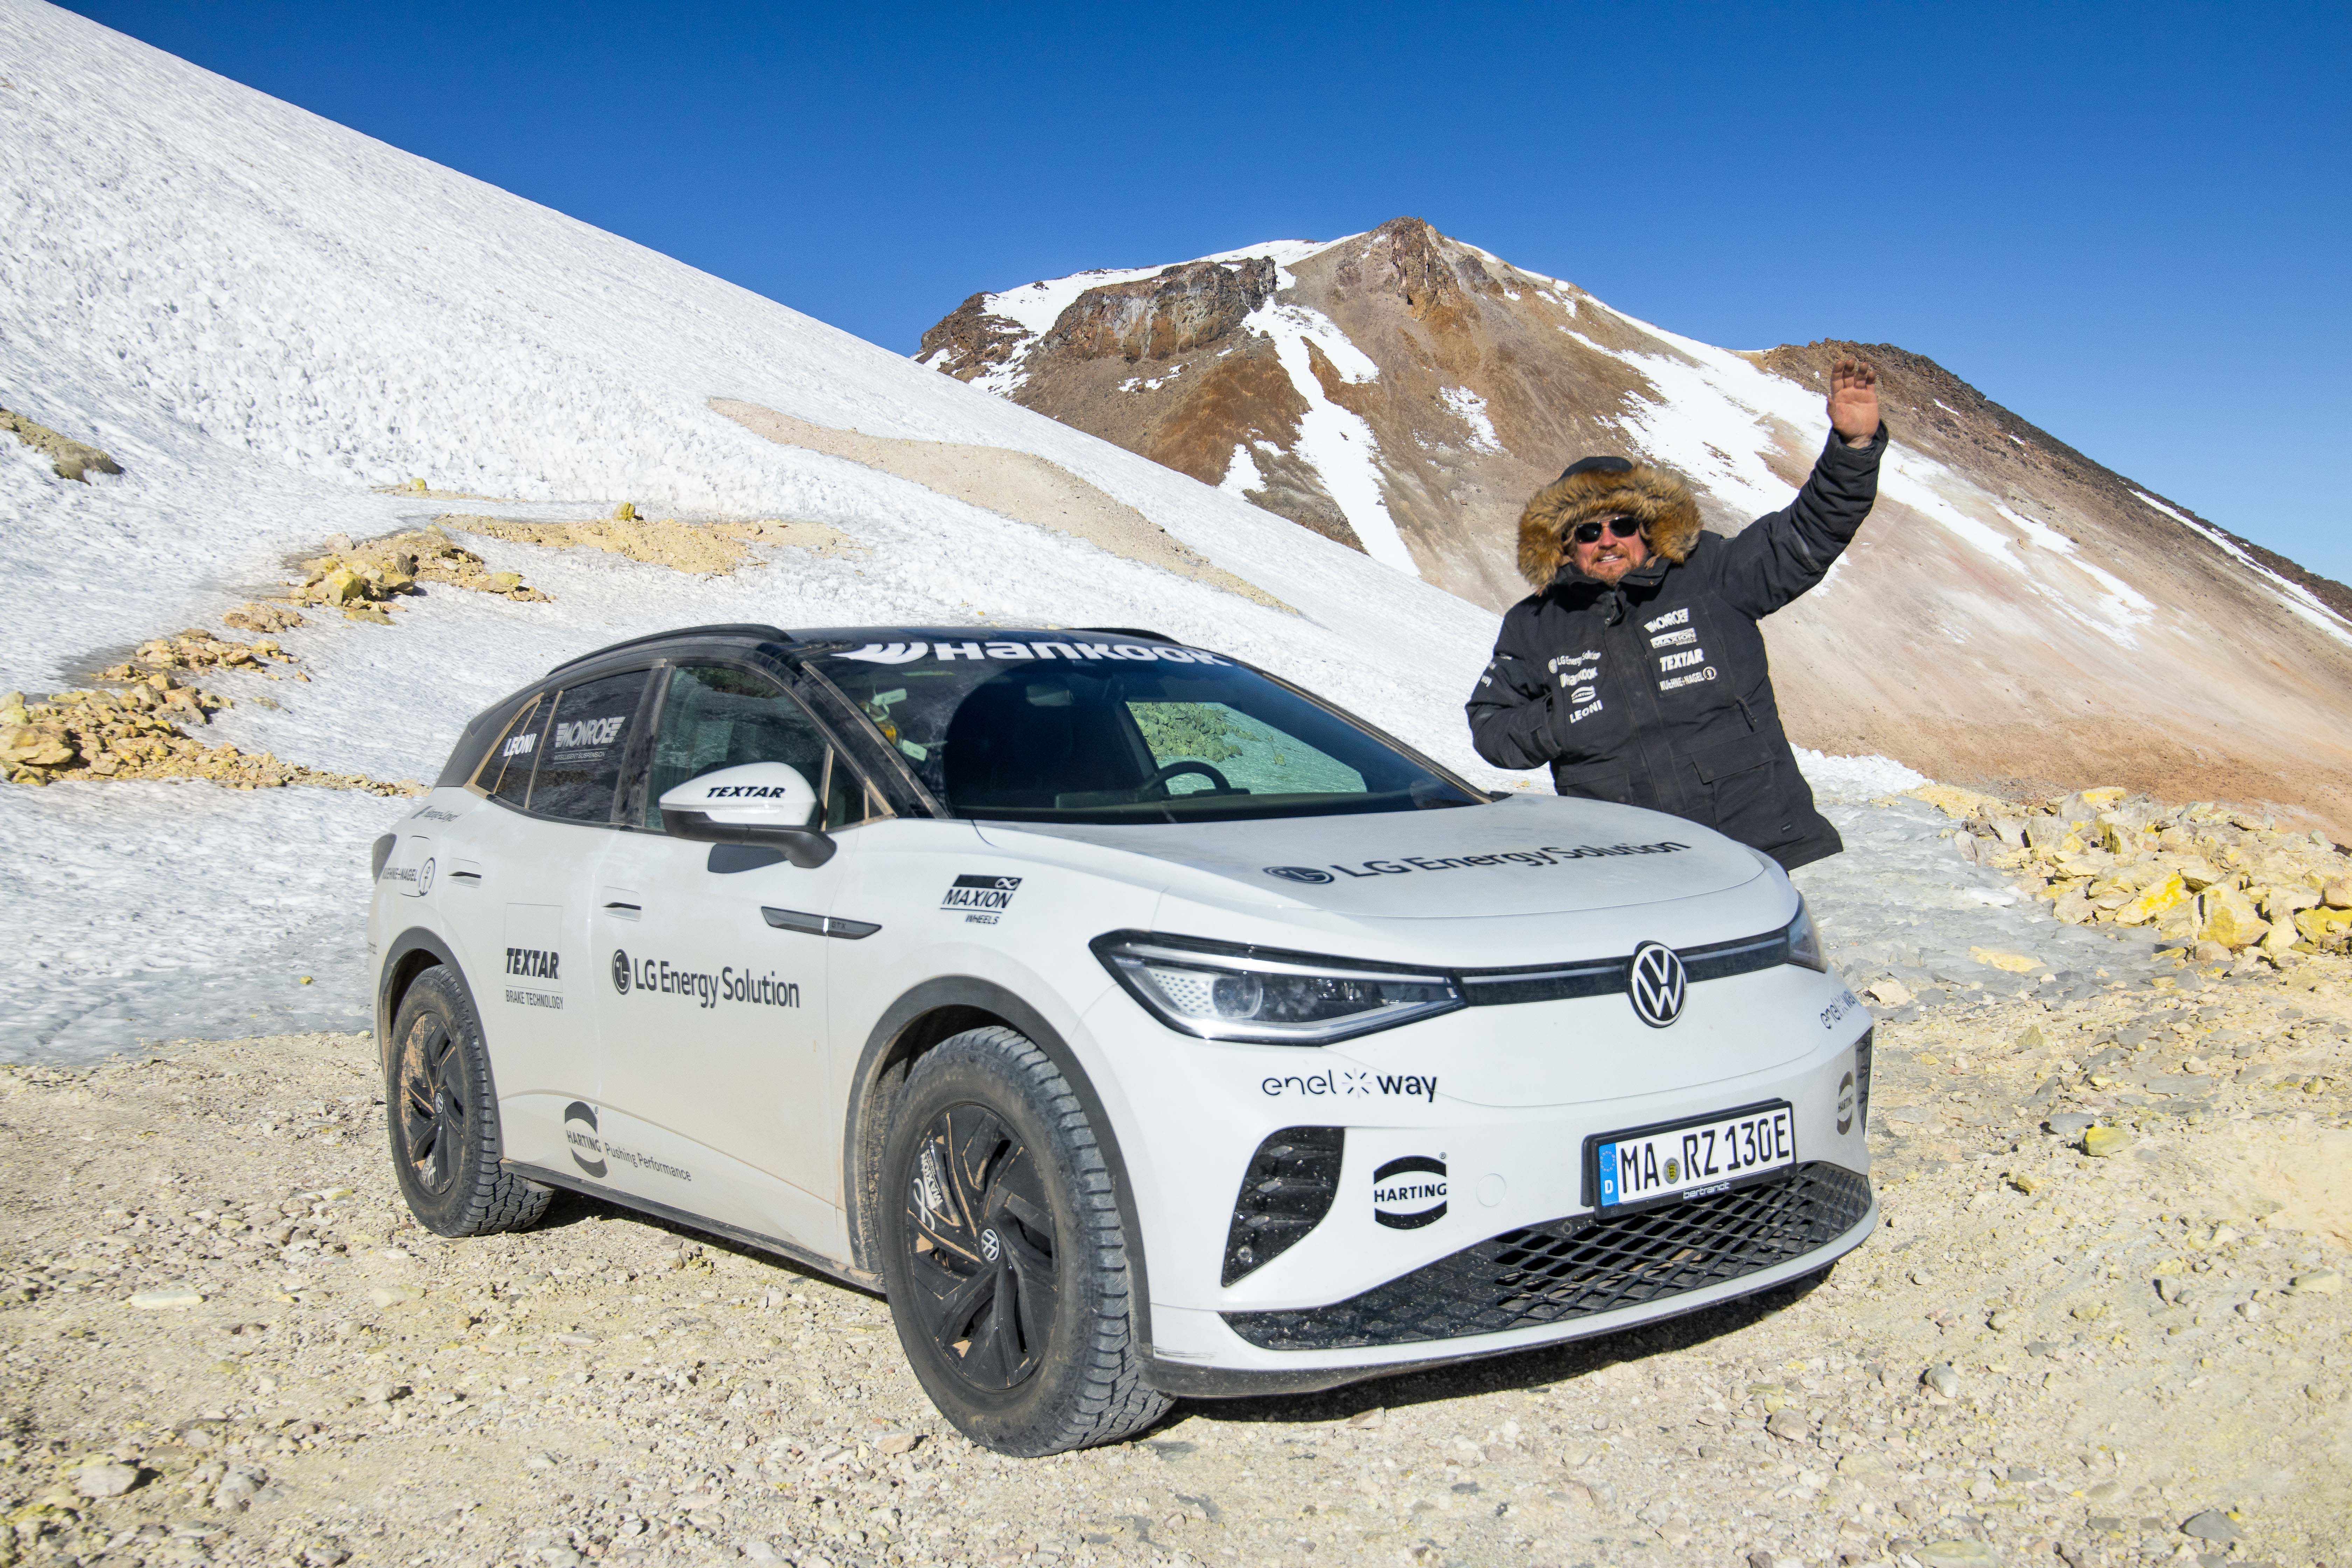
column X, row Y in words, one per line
column 1410, row 1192
column 1550, row 855
column 660, row 977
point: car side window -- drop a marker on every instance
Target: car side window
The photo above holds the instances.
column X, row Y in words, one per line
column 580, row 765
column 506, row 772
column 716, row 717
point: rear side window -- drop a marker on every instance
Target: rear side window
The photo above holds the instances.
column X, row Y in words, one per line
column 716, row 717
column 506, row 772
column 583, row 748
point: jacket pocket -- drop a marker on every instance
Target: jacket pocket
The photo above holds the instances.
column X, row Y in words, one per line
column 1612, row 782
column 1740, row 784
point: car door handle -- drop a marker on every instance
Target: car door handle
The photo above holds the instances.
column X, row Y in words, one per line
column 623, row 903
column 817, row 925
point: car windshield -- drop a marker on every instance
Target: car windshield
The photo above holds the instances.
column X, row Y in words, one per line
column 1075, row 729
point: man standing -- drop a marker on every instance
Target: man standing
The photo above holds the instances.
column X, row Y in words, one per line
column 1636, row 669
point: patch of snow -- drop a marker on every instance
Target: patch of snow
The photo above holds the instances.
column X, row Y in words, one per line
column 1471, row 409
column 1945, row 406
column 1242, row 474
column 1871, row 776
column 2297, row 598
column 1336, row 442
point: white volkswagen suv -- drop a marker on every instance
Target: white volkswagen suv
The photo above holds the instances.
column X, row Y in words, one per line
column 1141, row 1025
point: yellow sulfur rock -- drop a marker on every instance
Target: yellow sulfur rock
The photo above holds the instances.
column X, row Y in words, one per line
column 2100, row 1142
column 2319, row 925
column 2160, row 896
column 2015, row 962
column 1954, row 801
column 2227, row 916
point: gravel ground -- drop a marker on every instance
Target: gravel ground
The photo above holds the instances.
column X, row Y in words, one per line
column 224, row 1342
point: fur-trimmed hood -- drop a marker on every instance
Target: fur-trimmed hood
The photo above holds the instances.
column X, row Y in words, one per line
column 1603, row 488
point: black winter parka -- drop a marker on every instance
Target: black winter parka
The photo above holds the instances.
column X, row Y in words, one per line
column 1655, row 692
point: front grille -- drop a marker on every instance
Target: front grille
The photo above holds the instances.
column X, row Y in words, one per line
column 1610, row 977
column 1286, row 1191
column 1578, row 1266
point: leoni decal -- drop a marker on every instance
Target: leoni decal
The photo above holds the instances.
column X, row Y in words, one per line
column 1410, row 1192
column 983, row 899
column 1348, row 1083
column 1673, row 619
column 1682, row 660
column 519, row 745
column 1587, row 711
column 1550, row 855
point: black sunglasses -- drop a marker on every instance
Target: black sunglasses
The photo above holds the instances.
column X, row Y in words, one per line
column 1618, row 527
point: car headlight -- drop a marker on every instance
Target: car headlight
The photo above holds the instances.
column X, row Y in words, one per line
column 1805, row 940
column 1221, row 991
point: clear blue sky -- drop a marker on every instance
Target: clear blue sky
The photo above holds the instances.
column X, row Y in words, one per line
column 2127, row 223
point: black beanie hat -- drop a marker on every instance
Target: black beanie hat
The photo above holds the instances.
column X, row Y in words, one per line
column 1596, row 466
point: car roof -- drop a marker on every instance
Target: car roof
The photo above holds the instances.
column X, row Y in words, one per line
column 753, row 632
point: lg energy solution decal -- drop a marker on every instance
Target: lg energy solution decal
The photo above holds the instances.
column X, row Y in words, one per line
column 704, row 987
column 1550, row 855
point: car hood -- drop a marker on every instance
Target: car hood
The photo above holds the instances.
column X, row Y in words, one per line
column 1520, row 856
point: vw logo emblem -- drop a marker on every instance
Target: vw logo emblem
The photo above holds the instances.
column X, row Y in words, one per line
column 619, row 972
column 1307, row 874
column 1657, row 985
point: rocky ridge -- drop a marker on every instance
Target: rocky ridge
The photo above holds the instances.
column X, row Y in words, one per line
column 69, row 458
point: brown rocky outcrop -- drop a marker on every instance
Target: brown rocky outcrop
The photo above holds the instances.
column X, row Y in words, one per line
column 971, row 341
column 70, row 458
column 1185, row 307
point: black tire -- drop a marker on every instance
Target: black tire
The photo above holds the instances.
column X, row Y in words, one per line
column 1004, row 1253
column 442, row 1114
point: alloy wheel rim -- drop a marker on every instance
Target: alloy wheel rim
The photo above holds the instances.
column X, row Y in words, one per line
column 433, row 1106
column 981, row 1252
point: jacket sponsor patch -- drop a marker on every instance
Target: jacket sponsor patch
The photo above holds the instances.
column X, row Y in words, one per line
column 1578, row 715
column 1682, row 660
column 1350, row 1083
column 1693, row 679
column 1550, row 855
column 981, row 899
column 1672, row 619
column 1569, row 660
column 1410, row 1192
column 908, row 652
column 1584, row 694
column 1676, row 639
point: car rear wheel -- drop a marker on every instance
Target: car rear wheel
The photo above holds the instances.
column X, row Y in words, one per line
column 443, row 1116
column 1004, row 1256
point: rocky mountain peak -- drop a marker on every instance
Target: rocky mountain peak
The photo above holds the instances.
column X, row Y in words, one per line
column 1184, row 307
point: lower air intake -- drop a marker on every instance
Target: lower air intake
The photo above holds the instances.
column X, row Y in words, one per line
column 1285, row 1192
column 1578, row 1267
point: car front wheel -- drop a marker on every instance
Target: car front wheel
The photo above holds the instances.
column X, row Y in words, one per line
column 443, row 1116
column 1004, row 1256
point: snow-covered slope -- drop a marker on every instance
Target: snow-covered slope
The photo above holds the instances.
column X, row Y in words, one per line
column 2015, row 615
column 265, row 316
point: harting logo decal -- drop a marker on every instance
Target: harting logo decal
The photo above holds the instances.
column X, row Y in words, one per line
column 1658, row 985
column 1846, row 1104
column 982, row 899
column 1410, row 1193
column 619, row 972
column 580, row 1131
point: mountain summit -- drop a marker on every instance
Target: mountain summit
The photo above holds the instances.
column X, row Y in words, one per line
column 2014, row 615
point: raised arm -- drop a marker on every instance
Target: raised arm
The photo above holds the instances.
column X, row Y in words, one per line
column 1782, row 555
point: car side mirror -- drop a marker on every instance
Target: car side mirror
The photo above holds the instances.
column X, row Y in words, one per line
column 767, row 803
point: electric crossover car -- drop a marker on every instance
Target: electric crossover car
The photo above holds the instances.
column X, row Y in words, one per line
column 1140, row 1024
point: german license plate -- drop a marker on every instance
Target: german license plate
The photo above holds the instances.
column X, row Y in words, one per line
column 1692, row 1157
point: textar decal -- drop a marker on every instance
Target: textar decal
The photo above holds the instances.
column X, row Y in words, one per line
column 580, row 1131
column 660, row 977
column 532, row 963
column 1347, row 1082
column 1550, row 855
column 908, row 652
column 1682, row 660
column 746, row 792
column 1410, row 1192
column 982, row 899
